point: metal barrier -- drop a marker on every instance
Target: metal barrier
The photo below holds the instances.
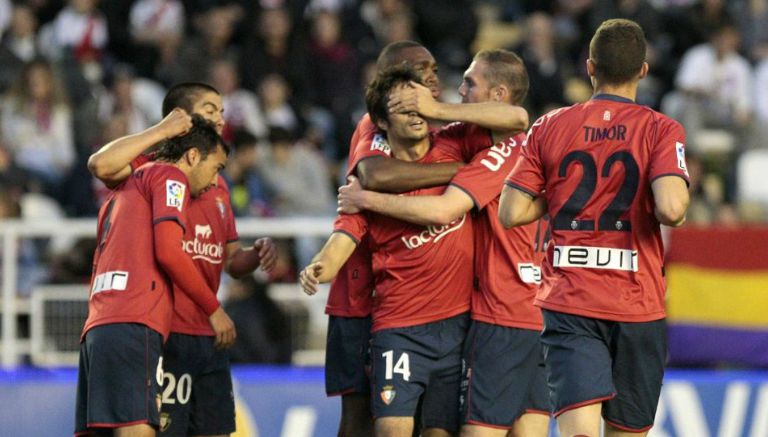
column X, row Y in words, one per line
column 12, row 231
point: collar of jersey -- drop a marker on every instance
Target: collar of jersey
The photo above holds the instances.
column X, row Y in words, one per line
column 613, row 98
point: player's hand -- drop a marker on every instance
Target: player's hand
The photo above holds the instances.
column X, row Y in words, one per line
column 267, row 251
column 413, row 97
column 308, row 278
column 223, row 327
column 176, row 123
column 350, row 198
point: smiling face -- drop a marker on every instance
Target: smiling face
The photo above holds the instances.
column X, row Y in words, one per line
column 424, row 64
column 405, row 128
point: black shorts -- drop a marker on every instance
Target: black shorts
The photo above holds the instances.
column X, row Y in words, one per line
column 347, row 355
column 419, row 360
column 618, row 363
column 503, row 375
column 118, row 382
column 197, row 388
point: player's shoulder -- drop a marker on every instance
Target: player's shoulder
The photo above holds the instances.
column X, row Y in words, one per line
column 365, row 124
column 556, row 115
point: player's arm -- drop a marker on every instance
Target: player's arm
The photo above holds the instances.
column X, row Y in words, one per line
column 327, row 263
column 496, row 116
column 380, row 173
column 517, row 207
column 671, row 198
column 112, row 163
column 182, row 272
column 243, row 261
column 422, row 210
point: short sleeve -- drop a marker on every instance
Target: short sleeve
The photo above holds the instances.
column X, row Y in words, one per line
column 366, row 142
column 483, row 178
column 139, row 161
column 528, row 173
column 668, row 155
column 354, row 225
column 169, row 193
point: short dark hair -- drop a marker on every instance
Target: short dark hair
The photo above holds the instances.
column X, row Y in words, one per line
column 183, row 95
column 377, row 93
column 505, row 68
column 617, row 50
column 202, row 136
column 390, row 55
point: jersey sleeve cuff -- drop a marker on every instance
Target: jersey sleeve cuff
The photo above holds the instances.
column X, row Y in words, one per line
column 468, row 193
column 170, row 218
column 687, row 182
column 521, row 188
column 348, row 234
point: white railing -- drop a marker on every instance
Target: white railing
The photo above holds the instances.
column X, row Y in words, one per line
column 12, row 231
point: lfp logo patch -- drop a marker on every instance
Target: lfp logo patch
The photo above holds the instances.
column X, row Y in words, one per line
column 174, row 194
column 680, row 149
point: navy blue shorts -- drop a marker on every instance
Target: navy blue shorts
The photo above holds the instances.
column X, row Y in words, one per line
column 419, row 360
column 503, row 375
column 347, row 355
column 620, row 364
column 118, row 382
column 197, row 388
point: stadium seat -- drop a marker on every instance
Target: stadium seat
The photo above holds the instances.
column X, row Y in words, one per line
column 751, row 172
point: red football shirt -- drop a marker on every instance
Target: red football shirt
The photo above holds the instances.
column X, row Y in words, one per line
column 507, row 272
column 211, row 228
column 595, row 163
column 422, row 274
column 128, row 285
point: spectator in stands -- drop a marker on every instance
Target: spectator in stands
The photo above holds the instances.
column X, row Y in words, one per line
column 275, row 94
column 714, row 86
column 248, row 189
column 37, row 125
column 752, row 19
column 760, row 91
column 158, row 27
column 19, row 45
column 30, row 271
column 80, row 31
column 263, row 329
column 275, row 46
column 241, row 107
column 136, row 98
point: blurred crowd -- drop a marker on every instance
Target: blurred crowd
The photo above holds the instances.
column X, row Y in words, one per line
column 75, row 74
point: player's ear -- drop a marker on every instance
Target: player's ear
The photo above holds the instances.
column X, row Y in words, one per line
column 590, row 67
column 382, row 124
column 500, row 93
column 192, row 156
column 644, row 70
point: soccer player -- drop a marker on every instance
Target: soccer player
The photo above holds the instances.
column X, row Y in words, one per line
column 608, row 172
column 505, row 321
column 421, row 280
column 197, row 377
column 349, row 299
column 130, row 309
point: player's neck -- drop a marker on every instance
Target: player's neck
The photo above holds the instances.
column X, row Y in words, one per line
column 407, row 149
column 628, row 91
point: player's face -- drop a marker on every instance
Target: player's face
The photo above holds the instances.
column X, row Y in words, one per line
column 203, row 175
column 423, row 63
column 408, row 127
column 475, row 88
column 210, row 107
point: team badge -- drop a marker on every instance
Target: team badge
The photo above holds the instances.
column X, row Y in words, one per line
column 680, row 147
column 607, row 116
column 174, row 194
column 388, row 394
column 165, row 421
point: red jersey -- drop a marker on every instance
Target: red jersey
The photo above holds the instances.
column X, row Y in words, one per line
column 595, row 163
column 352, row 288
column 211, row 228
column 422, row 274
column 507, row 272
column 128, row 286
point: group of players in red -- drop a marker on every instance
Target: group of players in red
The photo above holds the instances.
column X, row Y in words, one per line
column 466, row 333
column 441, row 320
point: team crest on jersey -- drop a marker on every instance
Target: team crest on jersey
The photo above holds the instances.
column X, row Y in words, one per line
column 388, row 394
column 174, row 194
column 380, row 143
column 680, row 147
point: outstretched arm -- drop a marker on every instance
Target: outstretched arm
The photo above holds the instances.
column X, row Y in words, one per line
column 496, row 116
column 422, row 210
column 112, row 163
column 517, row 208
column 243, row 261
column 327, row 263
column 394, row 176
